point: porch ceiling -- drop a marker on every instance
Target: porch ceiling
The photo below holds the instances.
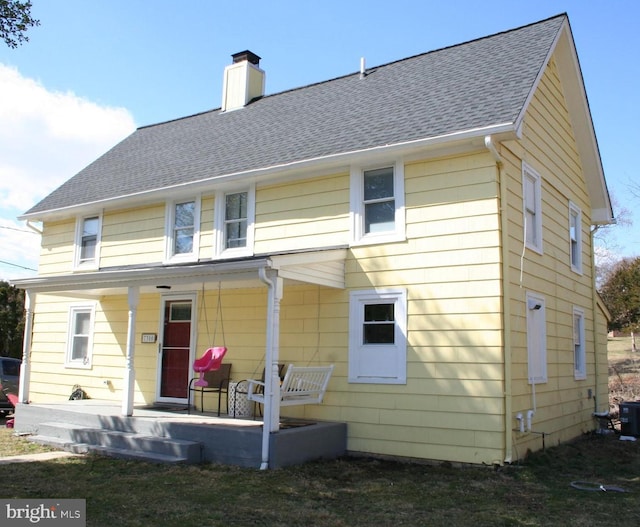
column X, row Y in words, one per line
column 325, row 267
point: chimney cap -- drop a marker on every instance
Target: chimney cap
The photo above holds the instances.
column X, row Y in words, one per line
column 246, row 55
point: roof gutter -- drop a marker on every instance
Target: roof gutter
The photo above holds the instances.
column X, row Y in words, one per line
column 467, row 139
column 506, row 296
column 33, row 227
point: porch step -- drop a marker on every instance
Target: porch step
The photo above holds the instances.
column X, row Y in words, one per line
column 60, row 444
column 129, row 445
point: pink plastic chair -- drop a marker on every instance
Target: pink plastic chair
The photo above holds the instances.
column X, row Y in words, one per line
column 211, row 360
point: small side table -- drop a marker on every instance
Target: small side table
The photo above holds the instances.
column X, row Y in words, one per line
column 239, row 404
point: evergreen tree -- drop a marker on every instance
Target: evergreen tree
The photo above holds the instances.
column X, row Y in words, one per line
column 11, row 320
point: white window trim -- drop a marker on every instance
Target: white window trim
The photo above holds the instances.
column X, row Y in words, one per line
column 87, row 363
column 88, row 264
column 576, row 266
column 531, row 305
column 358, row 236
column 218, row 223
column 170, row 212
column 396, row 371
column 580, row 373
column 528, row 171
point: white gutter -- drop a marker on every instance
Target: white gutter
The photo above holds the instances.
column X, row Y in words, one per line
column 506, row 304
column 33, row 227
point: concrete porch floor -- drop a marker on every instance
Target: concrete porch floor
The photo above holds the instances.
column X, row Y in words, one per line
column 221, row 439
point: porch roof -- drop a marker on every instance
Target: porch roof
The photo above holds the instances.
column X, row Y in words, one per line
column 320, row 267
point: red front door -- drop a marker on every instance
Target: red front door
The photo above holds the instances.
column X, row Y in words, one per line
column 176, row 346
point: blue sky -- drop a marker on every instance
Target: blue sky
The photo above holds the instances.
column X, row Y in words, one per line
column 96, row 69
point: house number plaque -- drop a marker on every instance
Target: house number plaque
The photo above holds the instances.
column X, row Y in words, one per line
column 149, row 338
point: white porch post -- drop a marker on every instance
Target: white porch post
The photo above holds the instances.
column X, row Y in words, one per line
column 25, row 369
column 129, row 374
column 271, row 379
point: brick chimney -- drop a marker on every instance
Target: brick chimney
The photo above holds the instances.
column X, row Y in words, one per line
column 243, row 81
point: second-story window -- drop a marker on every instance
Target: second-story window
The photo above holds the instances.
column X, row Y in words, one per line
column 183, row 229
column 234, row 222
column 88, row 241
column 532, row 204
column 575, row 237
column 377, row 204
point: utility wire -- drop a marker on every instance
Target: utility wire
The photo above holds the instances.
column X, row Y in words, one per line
column 16, row 265
column 14, row 229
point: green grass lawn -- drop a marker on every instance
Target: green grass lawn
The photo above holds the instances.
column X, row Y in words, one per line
column 347, row 492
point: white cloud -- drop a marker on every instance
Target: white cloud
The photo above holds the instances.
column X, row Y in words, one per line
column 45, row 138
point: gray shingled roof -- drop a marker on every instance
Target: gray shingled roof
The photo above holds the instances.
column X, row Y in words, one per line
column 481, row 83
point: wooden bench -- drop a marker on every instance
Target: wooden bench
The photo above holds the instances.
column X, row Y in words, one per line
column 301, row 385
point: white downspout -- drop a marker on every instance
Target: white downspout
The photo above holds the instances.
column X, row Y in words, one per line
column 25, row 369
column 506, row 296
column 33, row 227
column 129, row 374
column 271, row 421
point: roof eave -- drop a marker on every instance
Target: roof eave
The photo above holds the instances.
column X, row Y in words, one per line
column 461, row 141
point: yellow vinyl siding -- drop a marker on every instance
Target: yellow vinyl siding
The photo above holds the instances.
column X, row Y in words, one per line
column 548, row 145
column 450, row 265
column 57, row 247
column 304, row 214
column 206, row 227
column 132, row 236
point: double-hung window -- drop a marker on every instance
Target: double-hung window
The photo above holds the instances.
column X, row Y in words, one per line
column 377, row 204
column 183, row 229
column 378, row 336
column 575, row 237
column 80, row 337
column 234, row 221
column 532, row 205
column 87, row 246
column 579, row 354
